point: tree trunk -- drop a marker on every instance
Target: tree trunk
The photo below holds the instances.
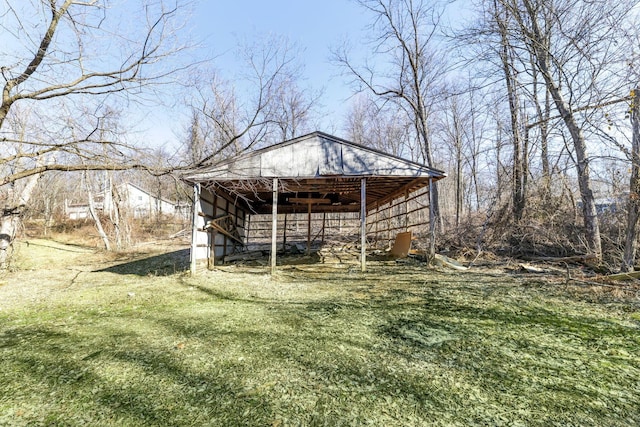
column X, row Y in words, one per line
column 11, row 215
column 543, row 59
column 518, row 183
column 542, row 120
column 94, row 215
column 9, row 223
column 589, row 213
column 459, row 199
column 633, row 209
column 434, row 212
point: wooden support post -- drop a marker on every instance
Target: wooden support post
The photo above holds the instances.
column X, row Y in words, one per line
column 377, row 219
column 309, row 228
column 274, row 225
column 363, row 224
column 284, row 234
column 406, row 210
column 194, row 230
column 432, row 224
column 225, row 240
column 389, row 225
column 324, row 221
column 247, row 231
column 211, row 255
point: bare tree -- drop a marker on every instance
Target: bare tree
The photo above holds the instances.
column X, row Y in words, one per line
column 453, row 133
column 263, row 104
column 382, row 127
column 64, row 51
column 508, row 60
column 574, row 48
column 406, row 43
column 573, row 66
column 295, row 109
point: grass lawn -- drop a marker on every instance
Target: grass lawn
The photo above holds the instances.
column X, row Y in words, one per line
column 91, row 339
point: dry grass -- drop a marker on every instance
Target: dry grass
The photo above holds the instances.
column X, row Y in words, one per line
column 89, row 339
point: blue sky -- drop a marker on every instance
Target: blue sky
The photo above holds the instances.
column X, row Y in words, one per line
column 315, row 26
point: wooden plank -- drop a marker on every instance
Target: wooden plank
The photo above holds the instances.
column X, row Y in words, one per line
column 245, row 256
column 402, row 245
column 448, row 262
column 211, row 261
column 309, row 230
column 309, row 200
column 226, row 233
column 398, row 192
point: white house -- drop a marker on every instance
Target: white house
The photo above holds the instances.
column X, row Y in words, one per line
column 141, row 203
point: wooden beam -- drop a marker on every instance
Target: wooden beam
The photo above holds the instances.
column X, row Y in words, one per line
column 215, row 226
column 267, row 209
column 248, row 227
column 398, row 193
column 310, row 200
column 226, row 235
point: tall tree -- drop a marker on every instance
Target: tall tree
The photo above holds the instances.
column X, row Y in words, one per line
column 508, row 60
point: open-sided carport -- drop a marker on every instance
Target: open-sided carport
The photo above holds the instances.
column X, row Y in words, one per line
column 309, row 174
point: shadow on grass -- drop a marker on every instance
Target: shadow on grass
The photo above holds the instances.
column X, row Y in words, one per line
column 156, row 265
column 423, row 350
column 127, row 381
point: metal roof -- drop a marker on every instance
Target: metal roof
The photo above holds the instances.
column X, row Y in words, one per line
column 315, row 166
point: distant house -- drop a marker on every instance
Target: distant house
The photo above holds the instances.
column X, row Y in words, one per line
column 609, row 205
column 138, row 201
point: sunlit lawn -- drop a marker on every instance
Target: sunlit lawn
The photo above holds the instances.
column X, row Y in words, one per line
column 140, row 344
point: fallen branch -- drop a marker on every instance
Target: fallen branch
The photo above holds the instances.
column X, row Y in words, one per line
column 245, row 256
column 631, row 275
column 573, row 259
column 531, row 269
column 448, row 262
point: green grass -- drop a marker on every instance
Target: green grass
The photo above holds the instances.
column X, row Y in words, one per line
column 94, row 341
